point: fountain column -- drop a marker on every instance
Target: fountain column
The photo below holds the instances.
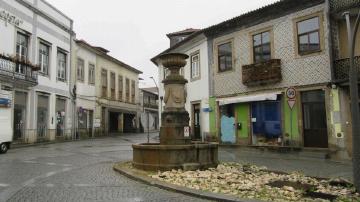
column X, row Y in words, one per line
column 174, row 117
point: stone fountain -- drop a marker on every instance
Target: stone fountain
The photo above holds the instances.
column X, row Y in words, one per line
column 175, row 150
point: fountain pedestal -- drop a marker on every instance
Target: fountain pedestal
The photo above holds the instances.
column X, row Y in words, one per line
column 175, row 149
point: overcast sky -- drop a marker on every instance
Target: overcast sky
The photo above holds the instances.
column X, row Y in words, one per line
column 134, row 31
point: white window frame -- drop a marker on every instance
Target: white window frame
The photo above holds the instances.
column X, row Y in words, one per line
column 91, row 74
column 42, row 57
column 80, row 70
column 195, row 66
column 61, row 66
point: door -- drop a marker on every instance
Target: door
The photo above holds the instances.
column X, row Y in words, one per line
column 314, row 119
column 227, row 124
column 18, row 123
column 42, row 115
column 266, row 122
column 196, row 121
column 19, row 114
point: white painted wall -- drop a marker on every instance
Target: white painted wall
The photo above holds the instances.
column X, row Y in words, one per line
column 197, row 90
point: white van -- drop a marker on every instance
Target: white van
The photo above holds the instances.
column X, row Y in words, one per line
column 6, row 130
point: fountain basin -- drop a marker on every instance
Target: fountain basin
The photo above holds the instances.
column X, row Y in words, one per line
column 154, row 157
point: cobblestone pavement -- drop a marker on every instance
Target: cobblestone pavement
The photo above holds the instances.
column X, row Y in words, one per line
column 82, row 171
column 76, row 171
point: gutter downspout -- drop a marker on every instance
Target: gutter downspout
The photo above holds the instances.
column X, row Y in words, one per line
column 72, row 86
column 330, row 39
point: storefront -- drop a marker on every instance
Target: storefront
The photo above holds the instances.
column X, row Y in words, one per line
column 270, row 120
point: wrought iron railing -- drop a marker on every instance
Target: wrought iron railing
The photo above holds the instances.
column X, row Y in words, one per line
column 262, row 73
column 342, row 5
column 342, row 67
column 151, row 105
column 14, row 69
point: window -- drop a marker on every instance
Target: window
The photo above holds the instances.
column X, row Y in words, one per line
column 22, row 46
column 127, row 86
column 261, row 47
column 61, row 66
column 80, row 70
column 120, row 88
column 112, row 85
column 133, row 92
column 308, row 33
column 195, row 66
column 44, row 62
column 166, row 72
column 225, row 57
column 91, row 74
column 104, row 83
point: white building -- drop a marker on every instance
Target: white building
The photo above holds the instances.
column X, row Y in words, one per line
column 196, row 72
column 35, row 31
column 83, row 71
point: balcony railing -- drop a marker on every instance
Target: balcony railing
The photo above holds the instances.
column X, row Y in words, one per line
column 342, row 67
column 262, row 73
column 341, row 5
column 13, row 69
column 151, row 105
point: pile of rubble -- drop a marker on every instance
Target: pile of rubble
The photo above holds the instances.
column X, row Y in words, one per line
column 252, row 182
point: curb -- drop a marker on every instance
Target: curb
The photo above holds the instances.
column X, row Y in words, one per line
column 174, row 188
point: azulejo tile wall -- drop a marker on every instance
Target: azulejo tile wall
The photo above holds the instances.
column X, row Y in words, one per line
column 296, row 70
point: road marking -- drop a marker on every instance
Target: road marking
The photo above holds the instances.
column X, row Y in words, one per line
column 49, row 185
column 4, row 185
column 82, row 185
column 50, row 174
column 30, row 162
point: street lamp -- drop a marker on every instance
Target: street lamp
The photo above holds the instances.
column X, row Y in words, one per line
column 354, row 94
column 159, row 98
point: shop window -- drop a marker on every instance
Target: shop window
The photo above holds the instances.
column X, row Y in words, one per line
column 42, row 115
column 60, row 116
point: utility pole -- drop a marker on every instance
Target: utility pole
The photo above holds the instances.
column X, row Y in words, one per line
column 354, row 94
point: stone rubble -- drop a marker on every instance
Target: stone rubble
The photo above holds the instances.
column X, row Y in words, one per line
column 252, row 182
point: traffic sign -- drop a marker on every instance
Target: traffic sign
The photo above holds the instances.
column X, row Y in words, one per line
column 291, row 103
column 291, row 93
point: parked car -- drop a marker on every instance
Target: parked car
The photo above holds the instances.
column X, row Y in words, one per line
column 6, row 130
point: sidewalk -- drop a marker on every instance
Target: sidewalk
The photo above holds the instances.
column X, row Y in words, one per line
column 287, row 162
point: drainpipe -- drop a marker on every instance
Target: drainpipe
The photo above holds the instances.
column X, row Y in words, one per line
column 354, row 94
column 330, row 39
column 72, row 85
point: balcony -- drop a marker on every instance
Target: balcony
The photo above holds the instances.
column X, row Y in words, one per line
column 342, row 5
column 151, row 105
column 21, row 73
column 342, row 67
column 262, row 73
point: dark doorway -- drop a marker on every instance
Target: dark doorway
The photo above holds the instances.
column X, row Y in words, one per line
column 196, row 121
column 314, row 118
column 19, row 115
column 113, row 122
column 129, row 123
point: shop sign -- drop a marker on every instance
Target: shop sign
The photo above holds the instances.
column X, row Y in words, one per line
column 97, row 123
column 186, row 131
column 11, row 19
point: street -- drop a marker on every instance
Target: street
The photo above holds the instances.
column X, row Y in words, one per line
column 75, row 171
column 82, row 170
